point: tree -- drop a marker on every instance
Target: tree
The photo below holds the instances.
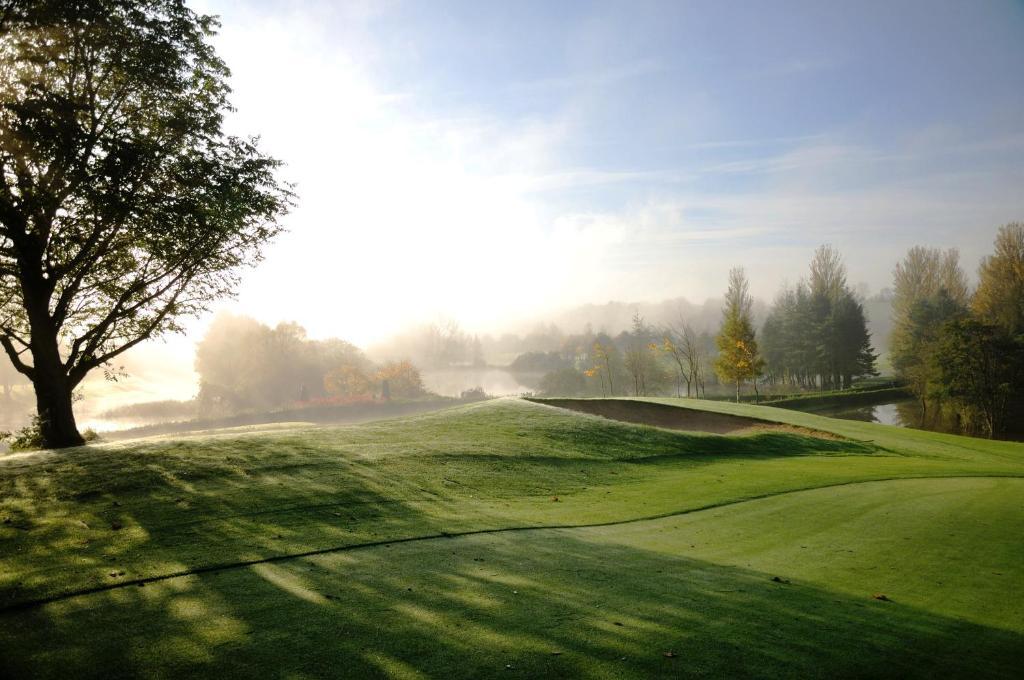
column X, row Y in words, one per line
column 641, row 358
column 563, row 382
column 685, row 348
column 978, row 366
column 738, row 358
column 918, row 342
column 403, row 379
column 999, row 299
column 607, row 363
column 929, row 289
column 348, row 380
column 246, row 365
column 850, row 341
column 828, row 273
column 816, row 334
column 123, row 204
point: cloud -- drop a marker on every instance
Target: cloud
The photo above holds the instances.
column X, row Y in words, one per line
column 410, row 207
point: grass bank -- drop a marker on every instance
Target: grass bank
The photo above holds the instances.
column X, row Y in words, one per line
column 190, row 543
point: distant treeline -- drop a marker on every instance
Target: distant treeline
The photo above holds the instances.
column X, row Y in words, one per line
column 244, row 365
column 815, row 336
column 959, row 352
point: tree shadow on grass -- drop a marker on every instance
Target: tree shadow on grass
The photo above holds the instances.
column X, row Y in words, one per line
column 94, row 520
column 530, row 604
column 92, row 517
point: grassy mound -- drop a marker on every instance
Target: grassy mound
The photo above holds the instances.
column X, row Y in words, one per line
column 191, row 543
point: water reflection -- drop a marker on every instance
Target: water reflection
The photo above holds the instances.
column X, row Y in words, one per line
column 906, row 413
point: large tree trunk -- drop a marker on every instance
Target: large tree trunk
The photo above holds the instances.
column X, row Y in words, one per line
column 56, row 416
column 53, row 404
column 52, row 386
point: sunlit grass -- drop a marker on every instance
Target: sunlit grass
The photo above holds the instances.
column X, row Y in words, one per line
column 696, row 584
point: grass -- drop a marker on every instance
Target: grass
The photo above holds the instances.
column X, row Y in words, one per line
column 187, row 547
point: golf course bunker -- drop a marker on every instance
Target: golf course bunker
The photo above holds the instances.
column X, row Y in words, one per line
column 680, row 417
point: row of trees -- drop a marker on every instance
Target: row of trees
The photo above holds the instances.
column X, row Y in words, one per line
column 245, row 365
column 645, row 360
column 959, row 352
column 815, row 336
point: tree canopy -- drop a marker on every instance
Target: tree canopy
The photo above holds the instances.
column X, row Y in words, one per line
column 123, row 204
column 999, row 299
column 816, row 332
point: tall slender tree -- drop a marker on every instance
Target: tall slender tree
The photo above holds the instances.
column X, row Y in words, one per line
column 738, row 358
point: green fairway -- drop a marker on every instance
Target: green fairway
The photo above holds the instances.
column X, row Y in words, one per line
column 278, row 551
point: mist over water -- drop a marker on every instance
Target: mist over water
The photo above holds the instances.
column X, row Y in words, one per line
column 452, row 359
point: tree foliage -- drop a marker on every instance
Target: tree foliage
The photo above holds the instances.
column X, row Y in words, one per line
column 816, row 332
column 123, row 204
column 687, row 350
column 403, row 379
column 999, row 299
column 738, row 358
column 980, row 369
column 929, row 289
column 244, row 365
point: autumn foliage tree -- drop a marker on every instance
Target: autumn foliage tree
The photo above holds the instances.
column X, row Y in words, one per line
column 348, row 380
column 738, row 358
column 403, row 379
column 123, row 204
column 999, row 299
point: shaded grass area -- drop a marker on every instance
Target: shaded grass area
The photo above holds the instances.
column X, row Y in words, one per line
column 594, row 603
column 98, row 516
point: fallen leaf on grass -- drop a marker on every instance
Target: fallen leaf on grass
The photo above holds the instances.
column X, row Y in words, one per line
column 881, row 597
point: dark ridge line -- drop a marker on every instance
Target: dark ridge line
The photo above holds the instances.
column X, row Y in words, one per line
column 36, row 603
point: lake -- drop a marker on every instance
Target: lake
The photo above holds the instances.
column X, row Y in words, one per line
column 496, row 382
column 904, row 413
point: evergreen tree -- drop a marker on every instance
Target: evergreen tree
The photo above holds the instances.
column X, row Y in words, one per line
column 816, row 333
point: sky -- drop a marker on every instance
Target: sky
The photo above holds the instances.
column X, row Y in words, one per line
column 497, row 161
